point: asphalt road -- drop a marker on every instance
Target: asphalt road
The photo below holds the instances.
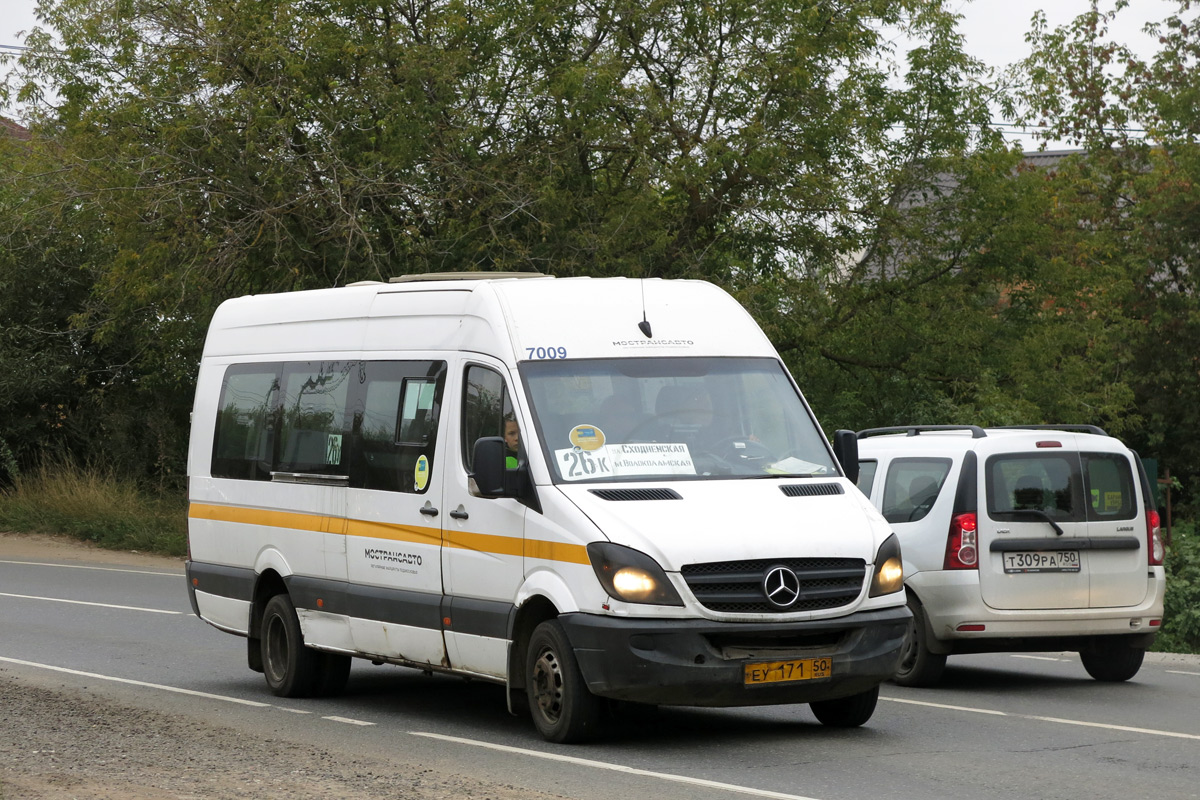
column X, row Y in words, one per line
column 1001, row 726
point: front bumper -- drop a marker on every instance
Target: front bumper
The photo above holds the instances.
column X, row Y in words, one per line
column 701, row 662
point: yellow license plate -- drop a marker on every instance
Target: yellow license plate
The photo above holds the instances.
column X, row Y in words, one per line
column 799, row 669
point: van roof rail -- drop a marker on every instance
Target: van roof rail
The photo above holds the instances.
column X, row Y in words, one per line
column 464, row 276
column 916, row 430
column 1084, row 428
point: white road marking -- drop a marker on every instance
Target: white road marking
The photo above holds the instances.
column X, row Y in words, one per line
column 1181, row 672
column 1040, row 658
column 586, row 762
column 101, row 569
column 1058, row 720
column 349, row 721
column 131, row 682
column 85, row 603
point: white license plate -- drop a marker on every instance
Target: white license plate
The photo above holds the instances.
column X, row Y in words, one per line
column 1042, row 561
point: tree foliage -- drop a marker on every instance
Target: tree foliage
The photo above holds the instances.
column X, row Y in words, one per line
column 1135, row 192
column 208, row 149
column 853, row 196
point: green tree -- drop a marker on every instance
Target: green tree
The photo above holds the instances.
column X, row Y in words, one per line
column 980, row 303
column 222, row 147
column 1137, row 191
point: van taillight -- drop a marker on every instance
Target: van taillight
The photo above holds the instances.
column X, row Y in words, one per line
column 1154, row 545
column 962, row 546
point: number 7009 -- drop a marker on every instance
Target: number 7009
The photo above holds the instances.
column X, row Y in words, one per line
column 546, row 352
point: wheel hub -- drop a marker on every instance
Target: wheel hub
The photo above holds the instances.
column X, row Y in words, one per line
column 547, row 685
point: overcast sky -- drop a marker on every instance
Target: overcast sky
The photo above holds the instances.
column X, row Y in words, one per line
column 994, row 29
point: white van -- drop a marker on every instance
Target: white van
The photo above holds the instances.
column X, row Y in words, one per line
column 1040, row 538
column 576, row 488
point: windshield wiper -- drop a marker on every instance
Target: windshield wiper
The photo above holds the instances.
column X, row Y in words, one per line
column 1039, row 514
column 788, row 475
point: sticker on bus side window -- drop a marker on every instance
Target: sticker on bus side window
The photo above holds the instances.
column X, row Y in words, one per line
column 421, row 474
column 333, row 449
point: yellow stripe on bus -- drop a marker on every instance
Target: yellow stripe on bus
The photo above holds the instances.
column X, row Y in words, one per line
column 262, row 516
column 556, row 551
column 396, row 533
column 465, row 540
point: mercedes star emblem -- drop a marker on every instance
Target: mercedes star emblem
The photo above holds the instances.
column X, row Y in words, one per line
column 781, row 586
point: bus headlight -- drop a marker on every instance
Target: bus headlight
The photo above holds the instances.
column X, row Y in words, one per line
column 631, row 576
column 889, row 569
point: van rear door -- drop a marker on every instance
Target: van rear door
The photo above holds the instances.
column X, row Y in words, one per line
column 1116, row 529
column 1034, row 532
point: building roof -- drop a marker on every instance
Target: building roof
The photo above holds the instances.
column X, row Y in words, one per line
column 10, row 128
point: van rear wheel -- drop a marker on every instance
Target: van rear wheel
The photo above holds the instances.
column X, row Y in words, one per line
column 1112, row 660
column 918, row 665
column 846, row 712
column 563, row 709
column 291, row 669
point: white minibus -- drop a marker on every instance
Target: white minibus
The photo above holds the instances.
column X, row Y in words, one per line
column 583, row 490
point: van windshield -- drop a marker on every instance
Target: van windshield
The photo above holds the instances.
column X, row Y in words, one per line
column 672, row 418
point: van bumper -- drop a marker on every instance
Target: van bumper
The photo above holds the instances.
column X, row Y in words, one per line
column 951, row 598
column 702, row 663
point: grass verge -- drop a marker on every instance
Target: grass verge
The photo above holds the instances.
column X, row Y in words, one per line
column 93, row 505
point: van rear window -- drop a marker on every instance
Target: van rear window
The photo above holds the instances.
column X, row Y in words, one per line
column 1068, row 487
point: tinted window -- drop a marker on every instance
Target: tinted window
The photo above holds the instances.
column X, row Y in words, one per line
column 1109, row 486
column 1045, row 482
column 313, row 417
column 487, row 411
column 246, row 414
column 395, row 424
column 866, row 476
column 912, row 486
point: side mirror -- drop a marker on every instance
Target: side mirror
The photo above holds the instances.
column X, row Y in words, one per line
column 845, row 448
column 489, row 465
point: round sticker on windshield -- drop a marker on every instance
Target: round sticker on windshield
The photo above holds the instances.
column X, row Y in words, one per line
column 587, row 437
column 421, row 474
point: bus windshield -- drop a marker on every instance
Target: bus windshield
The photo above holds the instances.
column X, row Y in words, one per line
column 672, row 419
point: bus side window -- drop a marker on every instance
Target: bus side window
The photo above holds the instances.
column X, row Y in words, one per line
column 395, row 425
column 313, row 417
column 486, row 406
column 246, row 416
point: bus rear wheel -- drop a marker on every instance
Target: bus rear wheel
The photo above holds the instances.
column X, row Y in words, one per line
column 291, row 668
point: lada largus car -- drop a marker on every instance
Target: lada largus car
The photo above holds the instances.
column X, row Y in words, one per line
column 1019, row 539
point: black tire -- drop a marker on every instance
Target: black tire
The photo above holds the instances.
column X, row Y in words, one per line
column 918, row 666
column 1112, row 660
column 291, row 669
column 563, row 709
column 846, row 712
